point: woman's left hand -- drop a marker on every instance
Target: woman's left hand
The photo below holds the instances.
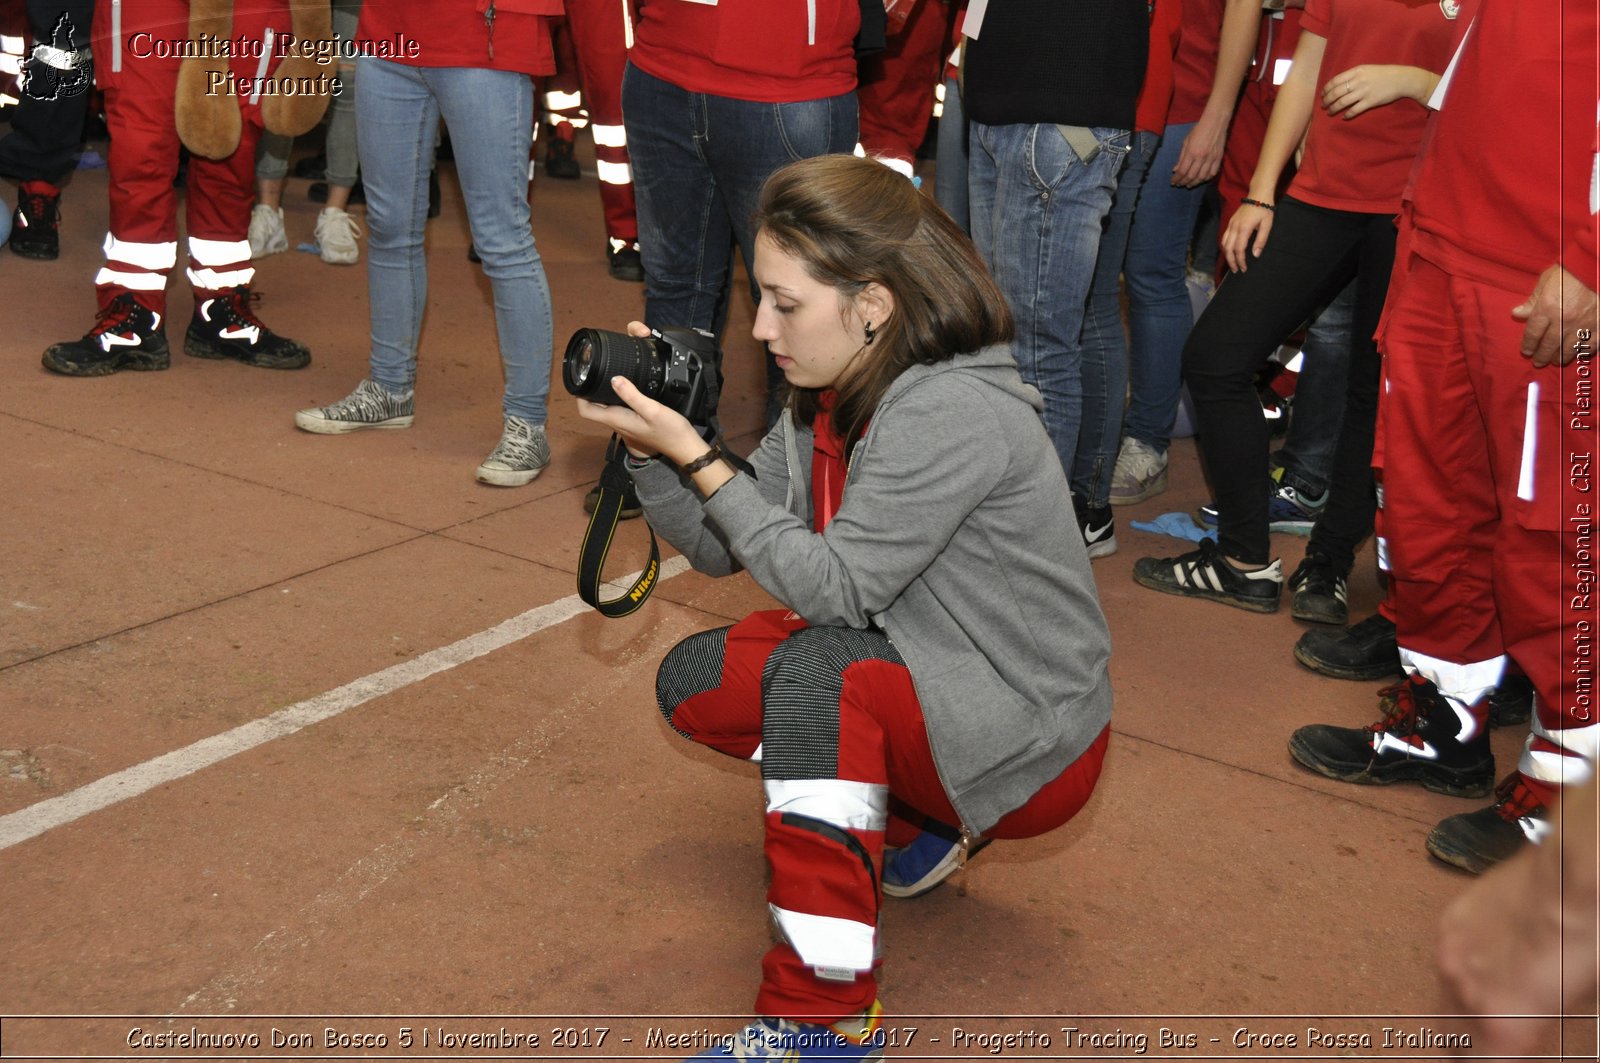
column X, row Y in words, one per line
column 1361, row 88
column 646, row 426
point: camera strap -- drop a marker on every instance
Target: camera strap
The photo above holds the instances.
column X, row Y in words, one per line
column 614, row 483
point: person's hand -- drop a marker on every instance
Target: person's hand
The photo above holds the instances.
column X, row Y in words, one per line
column 1361, row 88
column 1200, row 158
column 1246, row 237
column 1562, row 319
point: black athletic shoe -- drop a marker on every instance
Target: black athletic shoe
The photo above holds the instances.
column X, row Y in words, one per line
column 1205, row 573
column 1476, row 841
column 560, row 159
column 224, row 326
column 125, row 336
column 1319, row 590
column 36, row 226
column 624, row 262
column 1422, row 739
column 1097, row 526
column 1511, row 702
column 1365, row 652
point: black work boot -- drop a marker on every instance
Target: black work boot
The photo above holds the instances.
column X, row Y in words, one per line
column 36, row 226
column 1476, row 841
column 225, row 326
column 1422, row 738
column 127, row 335
column 1365, row 652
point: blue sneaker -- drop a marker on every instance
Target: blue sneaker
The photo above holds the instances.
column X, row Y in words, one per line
column 927, row 861
column 856, row 1038
column 1289, row 509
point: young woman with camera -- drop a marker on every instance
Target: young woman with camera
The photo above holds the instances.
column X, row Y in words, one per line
column 942, row 664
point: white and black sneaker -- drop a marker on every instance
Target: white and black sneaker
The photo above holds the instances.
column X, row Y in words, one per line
column 370, row 405
column 521, row 454
column 1205, row 573
column 1098, row 527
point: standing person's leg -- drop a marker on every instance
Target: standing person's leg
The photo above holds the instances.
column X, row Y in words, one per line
column 1105, row 356
column 1159, row 318
column 745, row 143
column 337, row 232
column 490, row 117
column 1352, row 503
column 1047, row 211
column 267, row 236
column 950, row 165
column 47, row 122
column 1540, row 440
column 1306, row 456
column 600, row 33
column 685, row 238
column 1440, row 520
column 397, row 119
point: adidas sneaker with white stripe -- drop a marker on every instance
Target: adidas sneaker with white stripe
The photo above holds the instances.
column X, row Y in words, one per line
column 1205, row 573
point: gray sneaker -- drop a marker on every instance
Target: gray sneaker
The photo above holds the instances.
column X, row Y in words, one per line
column 266, row 233
column 1140, row 473
column 522, row 454
column 368, row 406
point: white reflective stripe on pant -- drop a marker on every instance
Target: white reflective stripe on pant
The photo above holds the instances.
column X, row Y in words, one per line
column 139, row 282
column 212, row 280
column 219, row 252
column 841, row 802
column 1464, row 684
column 614, row 173
column 824, row 941
column 162, row 256
column 1571, row 763
column 609, row 136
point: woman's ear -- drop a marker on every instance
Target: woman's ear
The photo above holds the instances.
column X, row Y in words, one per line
column 875, row 303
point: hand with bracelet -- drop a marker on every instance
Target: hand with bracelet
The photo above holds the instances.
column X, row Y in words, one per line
column 651, row 430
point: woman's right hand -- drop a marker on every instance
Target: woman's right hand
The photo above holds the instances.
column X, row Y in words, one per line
column 1246, row 237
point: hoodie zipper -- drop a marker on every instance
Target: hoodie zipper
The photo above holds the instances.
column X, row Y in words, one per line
column 488, row 20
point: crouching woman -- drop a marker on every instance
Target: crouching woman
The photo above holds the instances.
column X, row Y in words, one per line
column 942, row 661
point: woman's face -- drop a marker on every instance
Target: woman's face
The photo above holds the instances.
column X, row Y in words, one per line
column 813, row 332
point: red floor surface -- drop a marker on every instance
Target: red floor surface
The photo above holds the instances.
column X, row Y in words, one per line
column 265, row 751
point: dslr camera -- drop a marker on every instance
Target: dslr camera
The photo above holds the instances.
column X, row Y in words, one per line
column 680, row 368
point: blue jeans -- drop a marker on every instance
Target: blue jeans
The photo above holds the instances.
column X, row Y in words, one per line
column 1318, row 410
column 1159, row 313
column 950, row 169
column 1037, row 212
column 490, row 117
column 1105, row 344
column 699, row 162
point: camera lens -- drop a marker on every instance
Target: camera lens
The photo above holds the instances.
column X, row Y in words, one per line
column 594, row 356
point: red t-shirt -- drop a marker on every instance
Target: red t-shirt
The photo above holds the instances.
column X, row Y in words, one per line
column 1362, row 164
column 1195, row 65
column 767, row 51
column 1155, row 99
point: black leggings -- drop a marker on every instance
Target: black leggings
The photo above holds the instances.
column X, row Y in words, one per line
column 1311, row 253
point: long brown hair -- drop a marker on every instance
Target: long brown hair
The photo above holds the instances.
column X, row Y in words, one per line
column 852, row 222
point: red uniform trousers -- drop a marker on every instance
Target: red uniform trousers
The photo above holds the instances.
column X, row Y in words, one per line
column 825, row 836
column 599, row 33
column 140, row 89
column 1489, row 509
column 896, row 92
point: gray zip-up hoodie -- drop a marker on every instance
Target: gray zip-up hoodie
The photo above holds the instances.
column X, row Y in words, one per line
column 956, row 536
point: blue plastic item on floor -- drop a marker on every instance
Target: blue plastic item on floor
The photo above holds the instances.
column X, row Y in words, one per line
column 1177, row 525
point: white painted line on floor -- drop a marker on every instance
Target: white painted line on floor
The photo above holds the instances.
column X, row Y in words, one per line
column 36, row 819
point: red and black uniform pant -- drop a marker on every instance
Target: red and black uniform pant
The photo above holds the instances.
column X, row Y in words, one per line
column 833, row 718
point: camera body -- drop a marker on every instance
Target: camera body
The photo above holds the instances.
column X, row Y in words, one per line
column 681, row 368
